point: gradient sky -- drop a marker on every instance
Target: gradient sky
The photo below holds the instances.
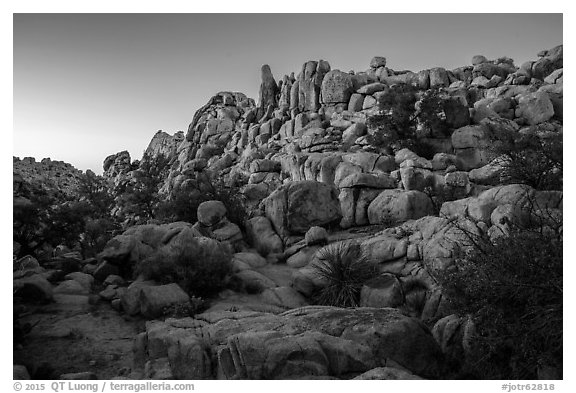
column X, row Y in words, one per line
column 90, row 85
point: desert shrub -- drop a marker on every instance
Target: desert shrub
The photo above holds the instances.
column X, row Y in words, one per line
column 43, row 218
column 97, row 232
column 396, row 121
column 183, row 203
column 431, row 113
column 233, row 199
column 96, row 192
column 530, row 158
column 345, row 268
column 65, row 223
column 140, row 196
column 198, row 269
column 512, row 288
column 182, row 310
column 29, row 216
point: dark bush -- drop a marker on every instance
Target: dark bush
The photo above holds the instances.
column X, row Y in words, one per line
column 396, row 121
column 140, row 197
column 96, row 192
column 183, row 203
column 97, row 232
column 182, row 310
column 531, row 158
column 346, row 269
column 512, row 288
column 431, row 114
column 65, row 223
column 200, row 269
column 43, row 218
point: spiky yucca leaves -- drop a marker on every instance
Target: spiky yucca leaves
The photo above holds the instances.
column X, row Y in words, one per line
column 345, row 268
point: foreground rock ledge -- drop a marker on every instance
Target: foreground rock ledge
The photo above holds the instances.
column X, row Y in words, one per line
column 308, row 342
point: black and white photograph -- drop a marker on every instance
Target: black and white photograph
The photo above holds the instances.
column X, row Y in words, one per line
column 256, row 196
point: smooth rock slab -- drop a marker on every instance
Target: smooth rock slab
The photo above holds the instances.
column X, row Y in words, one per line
column 395, row 206
column 384, row 291
column 154, row 299
column 309, row 341
column 71, row 287
column 85, row 279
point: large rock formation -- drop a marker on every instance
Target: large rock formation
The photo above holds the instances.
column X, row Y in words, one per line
column 310, row 342
column 298, row 206
column 51, row 176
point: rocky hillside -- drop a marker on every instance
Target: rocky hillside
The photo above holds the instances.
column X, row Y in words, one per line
column 52, row 176
column 366, row 195
column 314, row 127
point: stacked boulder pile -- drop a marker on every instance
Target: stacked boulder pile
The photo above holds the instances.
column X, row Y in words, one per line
column 313, row 127
column 311, row 177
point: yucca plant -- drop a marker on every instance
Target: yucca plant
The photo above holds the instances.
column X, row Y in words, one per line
column 345, row 268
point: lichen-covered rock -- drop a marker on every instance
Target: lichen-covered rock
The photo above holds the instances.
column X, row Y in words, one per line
column 312, row 341
column 337, row 87
column 211, row 212
column 309, row 84
column 396, row 206
column 535, row 107
column 383, row 291
column 155, row 299
column 297, row 206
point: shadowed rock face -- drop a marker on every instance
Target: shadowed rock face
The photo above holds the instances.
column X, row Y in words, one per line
column 298, row 206
column 309, row 84
column 268, row 91
column 309, row 341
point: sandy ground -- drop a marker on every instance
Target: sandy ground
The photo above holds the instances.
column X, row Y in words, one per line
column 71, row 335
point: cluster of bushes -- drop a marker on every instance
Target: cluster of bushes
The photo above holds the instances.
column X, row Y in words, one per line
column 202, row 270
column 531, row 157
column 139, row 198
column 83, row 222
column 183, row 203
column 512, row 289
column 396, row 126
